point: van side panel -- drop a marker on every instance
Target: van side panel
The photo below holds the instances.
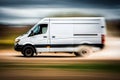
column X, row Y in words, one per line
column 66, row 34
column 87, row 33
column 61, row 36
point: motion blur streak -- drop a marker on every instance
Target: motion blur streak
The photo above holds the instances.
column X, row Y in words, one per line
column 18, row 16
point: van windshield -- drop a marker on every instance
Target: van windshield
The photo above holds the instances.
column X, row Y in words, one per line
column 36, row 30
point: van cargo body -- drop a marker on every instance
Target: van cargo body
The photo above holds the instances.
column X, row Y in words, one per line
column 63, row 35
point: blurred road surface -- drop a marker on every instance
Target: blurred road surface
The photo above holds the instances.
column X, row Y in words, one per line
column 110, row 54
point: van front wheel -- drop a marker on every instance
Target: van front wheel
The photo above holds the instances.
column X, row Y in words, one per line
column 28, row 51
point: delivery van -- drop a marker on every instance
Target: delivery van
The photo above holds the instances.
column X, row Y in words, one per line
column 69, row 34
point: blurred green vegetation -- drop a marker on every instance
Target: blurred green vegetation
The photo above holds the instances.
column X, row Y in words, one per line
column 104, row 67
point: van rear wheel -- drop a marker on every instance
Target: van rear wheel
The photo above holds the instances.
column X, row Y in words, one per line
column 28, row 51
column 83, row 51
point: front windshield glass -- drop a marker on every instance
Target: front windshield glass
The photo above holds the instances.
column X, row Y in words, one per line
column 36, row 30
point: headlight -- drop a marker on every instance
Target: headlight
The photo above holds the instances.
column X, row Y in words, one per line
column 17, row 40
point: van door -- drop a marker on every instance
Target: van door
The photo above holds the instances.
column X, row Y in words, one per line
column 40, row 37
column 61, row 36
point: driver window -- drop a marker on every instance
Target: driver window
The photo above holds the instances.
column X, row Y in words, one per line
column 39, row 29
column 43, row 28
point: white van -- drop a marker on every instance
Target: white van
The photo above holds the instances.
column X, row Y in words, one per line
column 63, row 35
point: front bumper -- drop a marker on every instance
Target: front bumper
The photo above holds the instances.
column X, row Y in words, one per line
column 18, row 47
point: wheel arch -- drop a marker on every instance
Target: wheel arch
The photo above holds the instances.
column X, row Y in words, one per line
column 31, row 46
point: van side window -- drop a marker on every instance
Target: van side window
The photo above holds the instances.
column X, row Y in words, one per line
column 39, row 29
column 43, row 28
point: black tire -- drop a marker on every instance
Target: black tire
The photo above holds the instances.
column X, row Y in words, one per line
column 83, row 51
column 28, row 51
column 76, row 54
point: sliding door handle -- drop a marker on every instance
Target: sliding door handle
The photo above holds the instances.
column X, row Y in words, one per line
column 44, row 36
column 53, row 36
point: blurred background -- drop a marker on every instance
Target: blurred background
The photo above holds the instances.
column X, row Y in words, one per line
column 18, row 16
